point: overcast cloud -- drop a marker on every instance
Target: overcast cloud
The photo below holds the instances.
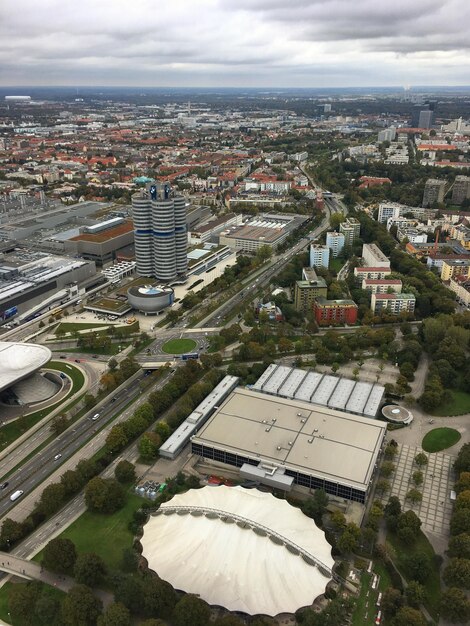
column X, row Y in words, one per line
column 257, row 43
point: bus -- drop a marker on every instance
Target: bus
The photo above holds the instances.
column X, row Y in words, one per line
column 57, row 311
column 190, row 355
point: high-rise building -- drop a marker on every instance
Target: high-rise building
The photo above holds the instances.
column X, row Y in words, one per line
column 461, row 189
column 351, row 229
column 335, row 242
column 422, row 115
column 425, row 119
column 434, row 191
column 319, row 255
column 160, row 232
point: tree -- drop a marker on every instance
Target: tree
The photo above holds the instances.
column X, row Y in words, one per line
column 383, row 485
column 415, row 594
column 125, row 472
column 316, row 505
column 148, row 446
column 47, row 609
column 80, row 607
column 116, row 439
column 89, row 569
column 408, row 526
column 408, row 616
column 52, row 498
column 421, row 459
column 392, row 601
column 228, row 620
column 455, row 606
column 191, row 611
column 12, row 531
column 71, row 482
column 387, row 469
column 59, row 424
column 21, row 602
column 462, row 462
column 460, row 522
column 460, row 546
column 115, row 615
column 163, row 430
column 414, row 496
column 348, row 541
column 338, row 520
column 417, row 478
column 457, row 573
column 159, row 597
column 59, row 555
column 89, row 401
column 393, row 507
column 104, row 495
column 390, row 452
column 418, row 566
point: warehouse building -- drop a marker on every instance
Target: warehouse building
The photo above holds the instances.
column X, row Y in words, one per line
column 283, row 442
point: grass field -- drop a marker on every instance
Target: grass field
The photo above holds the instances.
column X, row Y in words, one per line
column 13, row 430
column 433, row 583
column 71, row 327
column 106, row 535
column 439, row 439
column 459, row 405
column 179, row 346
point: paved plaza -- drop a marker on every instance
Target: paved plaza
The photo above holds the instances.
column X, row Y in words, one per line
column 435, row 509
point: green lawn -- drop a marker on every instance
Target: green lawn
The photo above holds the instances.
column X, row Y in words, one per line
column 433, row 583
column 179, row 346
column 459, row 405
column 106, row 535
column 439, row 439
column 336, row 264
column 71, row 327
column 13, row 430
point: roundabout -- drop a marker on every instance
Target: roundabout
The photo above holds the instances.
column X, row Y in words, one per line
column 179, row 346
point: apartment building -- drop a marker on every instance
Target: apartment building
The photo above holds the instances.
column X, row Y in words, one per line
column 384, row 285
column 434, row 191
column 370, row 272
column 453, row 267
column 329, row 312
column 373, row 256
column 351, row 229
column 335, row 242
column 306, row 290
column 319, row 255
column 393, row 303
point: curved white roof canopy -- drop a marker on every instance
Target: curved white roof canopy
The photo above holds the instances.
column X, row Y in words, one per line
column 241, row 549
column 18, row 360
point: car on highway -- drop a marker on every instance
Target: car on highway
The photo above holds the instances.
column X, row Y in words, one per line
column 4, row 485
column 95, row 356
column 77, row 360
column 57, row 457
column 62, row 356
column 95, row 417
column 16, row 495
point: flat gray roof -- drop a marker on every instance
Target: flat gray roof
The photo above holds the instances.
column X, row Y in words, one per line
column 296, row 435
column 338, row 393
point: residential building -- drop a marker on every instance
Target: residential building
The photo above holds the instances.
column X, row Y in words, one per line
column 434, row 191
column 160, row 232
column 393, row 303
column 461, row 233
column 384, row 285
column 376, row 273
column 351, row 229
column 452, row 267
column 460, row 284
column 273, row 312
column 306, row 290
column 388, row 134
column 319, row 255
column 373, row 256
column 329, row 312
column 461, row 189
column 412, row 234
column 395, row 210
column 335, row 242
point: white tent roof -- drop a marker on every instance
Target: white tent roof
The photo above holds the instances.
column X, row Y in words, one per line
column 251, row 562
column 18, row 360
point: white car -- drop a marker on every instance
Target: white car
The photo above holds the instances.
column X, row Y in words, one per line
column 57, row 457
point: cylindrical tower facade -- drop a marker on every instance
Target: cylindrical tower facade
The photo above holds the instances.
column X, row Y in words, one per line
column 181, row 236
column 143, row 240
column 163, row 226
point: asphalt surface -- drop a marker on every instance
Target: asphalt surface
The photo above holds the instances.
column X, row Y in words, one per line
column 38, row 468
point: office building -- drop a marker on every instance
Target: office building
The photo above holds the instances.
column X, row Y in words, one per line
column 393, row 303
column 319, row 255
column 374, row 257
column 434, row 191
column 160, row 233
column 293, row 442
column 330, row 312
column 101, row 242
column 306, row 290
column 388, row 134
column 351, row 229
column 461, row 189
column 422, row 115
column 335, row 242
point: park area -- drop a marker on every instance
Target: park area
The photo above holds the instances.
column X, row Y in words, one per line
column 179, row 346
column 440, row 439
column 458, row 404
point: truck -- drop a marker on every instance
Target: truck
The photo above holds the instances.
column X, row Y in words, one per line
column 16, row 495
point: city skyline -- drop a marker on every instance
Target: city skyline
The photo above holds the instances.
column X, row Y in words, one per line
column 207, row 43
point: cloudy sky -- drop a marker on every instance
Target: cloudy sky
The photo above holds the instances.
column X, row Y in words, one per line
column 252, row 43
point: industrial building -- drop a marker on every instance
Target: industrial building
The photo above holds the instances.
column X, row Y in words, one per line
column 36, row 280
column 176, row 442
column 160, row 235
column 101, row 242
column 359, row 398
column 264, row 230
column 286, row 442
column 211, row 229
